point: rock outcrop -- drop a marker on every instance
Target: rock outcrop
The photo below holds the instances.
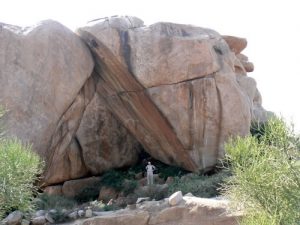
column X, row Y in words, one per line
column 43, row 72
column 46, row 88
column 179, row 89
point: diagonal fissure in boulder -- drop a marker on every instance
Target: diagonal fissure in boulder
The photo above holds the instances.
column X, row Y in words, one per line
column 143, row 119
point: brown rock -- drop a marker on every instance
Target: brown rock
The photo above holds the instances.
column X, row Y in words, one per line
column 236, row 44
column 133, row 218
column 190, row 211
column 104, row 142
column 172, row 86
column 248, row 66
column 107, row 193
column 169, row 180
column 43, row 68
column 53, row 190
column 198, row 211
column 72, row 188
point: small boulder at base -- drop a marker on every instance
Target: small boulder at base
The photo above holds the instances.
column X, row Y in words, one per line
column 175, row 198
column 73, row 188
column 14, row 218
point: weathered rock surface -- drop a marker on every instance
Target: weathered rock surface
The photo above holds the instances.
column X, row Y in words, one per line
column 13, row 218
column 43, row 71
column 46, row 87
column 179, row 90
column 103, row 140
column 174, row 87
column 175, row 198
column 53, row 190
column 191, row 211
column 73, row 188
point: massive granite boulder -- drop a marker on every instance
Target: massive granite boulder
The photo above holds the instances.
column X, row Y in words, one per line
column 43, row 72
column 46, row 85
column 180, row 90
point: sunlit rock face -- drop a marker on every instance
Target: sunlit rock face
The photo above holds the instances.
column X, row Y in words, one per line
column 181, row 90
column 43, row 72
column 86, row 101
column 47, row 88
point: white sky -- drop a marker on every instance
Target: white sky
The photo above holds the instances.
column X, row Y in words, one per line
column 271, row 27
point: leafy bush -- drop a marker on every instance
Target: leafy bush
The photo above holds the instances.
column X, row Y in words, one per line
column 47, row 202
column 19, row 168
column 114, row 179
column 265, row 181
column 199, row 185
column 129, row 186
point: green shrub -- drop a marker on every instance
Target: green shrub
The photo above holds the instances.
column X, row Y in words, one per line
column 265, row 181
column 47, row 202
column 129, row 186
column 114, row 179
column 199, row 185
column 19, row 168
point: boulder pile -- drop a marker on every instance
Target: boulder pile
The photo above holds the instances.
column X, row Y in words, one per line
column 89, row 101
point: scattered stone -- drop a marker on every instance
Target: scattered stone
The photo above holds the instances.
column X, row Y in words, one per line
column 49, row 218
column 40, row 220
column 88, row 213
column 14, row 218
column 40, row 213
column 175, row 198
column 54, row 211
column 73, row 215
column 140, row 200
column 81, row 213
column 25, row 222
column 189, row 195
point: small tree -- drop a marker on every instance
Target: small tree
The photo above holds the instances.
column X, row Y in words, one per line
column 266, row 180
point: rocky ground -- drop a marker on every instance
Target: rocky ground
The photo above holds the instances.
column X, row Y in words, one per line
column 177, row 209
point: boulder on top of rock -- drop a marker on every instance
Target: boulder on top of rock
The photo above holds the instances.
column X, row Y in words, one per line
column 173, row 86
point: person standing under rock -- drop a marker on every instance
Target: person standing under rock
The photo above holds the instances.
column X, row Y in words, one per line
column 150, row 168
